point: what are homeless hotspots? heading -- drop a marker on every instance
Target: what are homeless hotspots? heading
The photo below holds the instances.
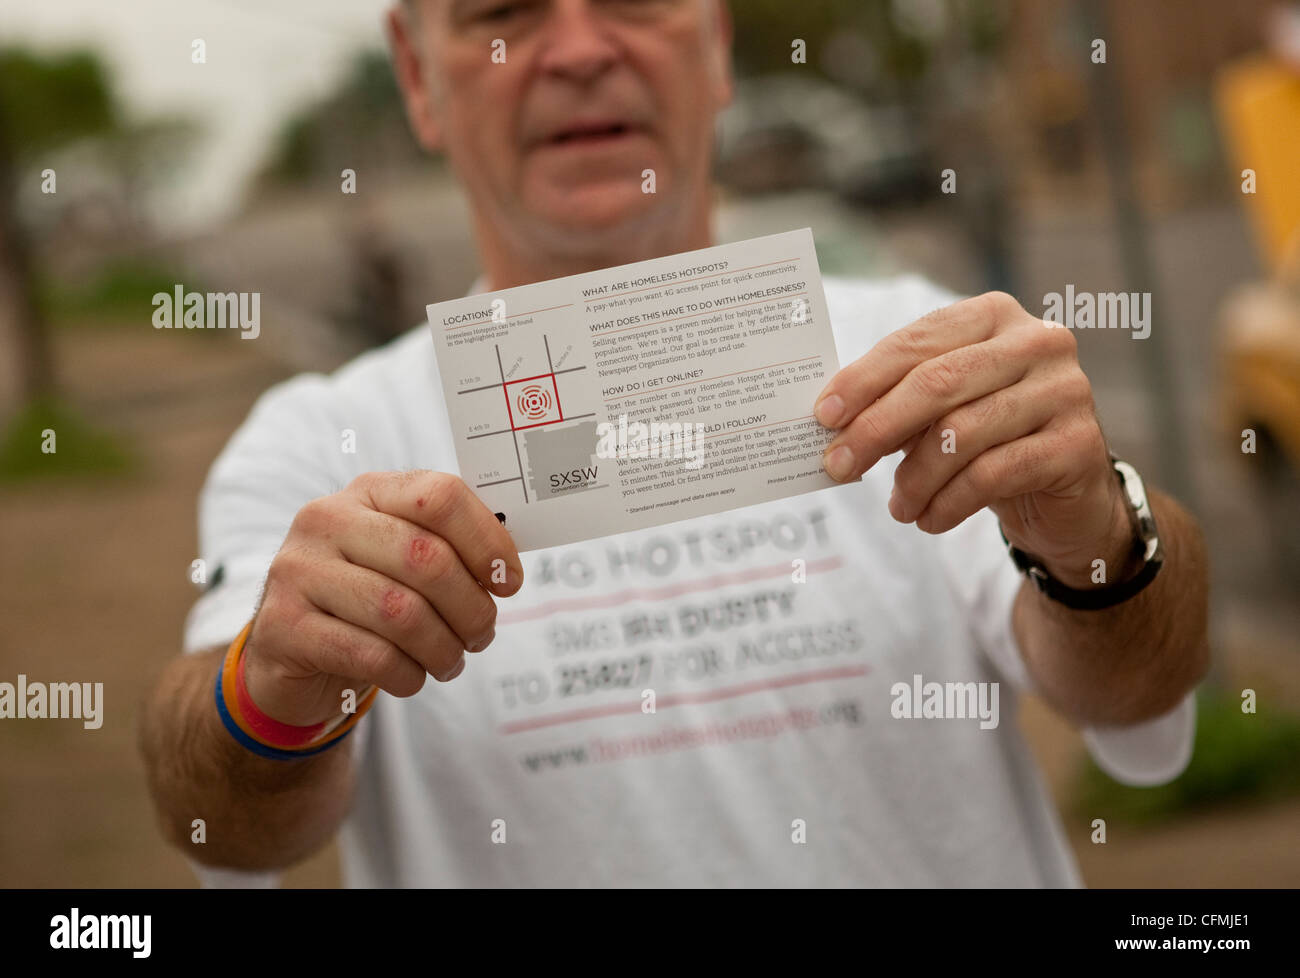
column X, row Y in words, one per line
column 617, row 291
column 656, row 278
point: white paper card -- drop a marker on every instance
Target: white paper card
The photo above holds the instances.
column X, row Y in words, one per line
column 644, row 394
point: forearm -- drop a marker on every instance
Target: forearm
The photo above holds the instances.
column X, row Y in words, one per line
column 258, row 813
column 1132, row 662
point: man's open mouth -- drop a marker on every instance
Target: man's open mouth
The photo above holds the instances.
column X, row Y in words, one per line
column 590, row 134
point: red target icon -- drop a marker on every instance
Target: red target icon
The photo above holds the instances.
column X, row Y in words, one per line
column 534, row 402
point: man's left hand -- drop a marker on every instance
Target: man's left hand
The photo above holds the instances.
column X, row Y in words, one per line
column 992, row 409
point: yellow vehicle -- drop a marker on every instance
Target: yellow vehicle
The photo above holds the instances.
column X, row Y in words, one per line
column 1259, row 341
column 1259, row 336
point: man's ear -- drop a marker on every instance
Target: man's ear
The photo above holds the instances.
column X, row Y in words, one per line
column 723, row 33
column 409, row 69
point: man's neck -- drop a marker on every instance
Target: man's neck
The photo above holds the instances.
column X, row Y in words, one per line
column 505, row 266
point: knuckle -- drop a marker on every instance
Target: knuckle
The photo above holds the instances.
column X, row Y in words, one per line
column 1020, row 463
column 278, row 621
column 1083, row 435
column 1042, row 339
column 442, row 495
column 1074, row 388
column 367, row 658
column 362, row 656
column 1062, row 341
column 909, row 342
column 362, row 484
column 431, row 556
column 981, row 413
column 318, row 518
column 938, row 379
column 287, row 568
column 1000, row 305
column 402, row 610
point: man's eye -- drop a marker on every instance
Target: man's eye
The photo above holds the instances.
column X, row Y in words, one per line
column 500, row 11
column 639, row 7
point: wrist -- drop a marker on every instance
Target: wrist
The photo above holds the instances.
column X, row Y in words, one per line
column 268, row 737
column 1120, row 552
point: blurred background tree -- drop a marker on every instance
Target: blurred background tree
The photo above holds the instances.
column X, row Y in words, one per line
column 45, row 104
column 59, row 112
column 361, row 125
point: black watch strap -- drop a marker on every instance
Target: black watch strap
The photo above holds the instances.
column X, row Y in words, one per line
column 1146, row 543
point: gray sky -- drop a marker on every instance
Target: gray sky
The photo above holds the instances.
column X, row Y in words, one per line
column 264, row 58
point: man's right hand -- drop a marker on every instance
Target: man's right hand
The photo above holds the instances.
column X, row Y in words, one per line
column 383, row 583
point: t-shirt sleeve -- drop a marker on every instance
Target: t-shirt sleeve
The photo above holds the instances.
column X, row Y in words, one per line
column 278, row 460
column 985, row 582
column 273, row 464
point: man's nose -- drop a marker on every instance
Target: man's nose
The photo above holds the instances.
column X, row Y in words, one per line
column 576, row 43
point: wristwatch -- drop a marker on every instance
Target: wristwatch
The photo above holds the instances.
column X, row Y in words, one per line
column 1146, row 541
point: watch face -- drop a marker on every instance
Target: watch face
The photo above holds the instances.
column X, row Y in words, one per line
column 1136, row 494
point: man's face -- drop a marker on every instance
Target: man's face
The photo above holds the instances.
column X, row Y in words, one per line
column 551, row 111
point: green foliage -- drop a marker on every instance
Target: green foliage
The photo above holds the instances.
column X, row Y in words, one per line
column 1238, row 757
column 121, row 291
column 48, row 101
column 764, row 30
column 82, row 450
column 361, row 125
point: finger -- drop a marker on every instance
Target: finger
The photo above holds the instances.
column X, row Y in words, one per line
column 411, row 555
column 907, row 447
column 1030, row 464
column 341, row 648
column 963, row 435
column 390, row 610
column 444, row 505
column 889, row 361
column 928, row 392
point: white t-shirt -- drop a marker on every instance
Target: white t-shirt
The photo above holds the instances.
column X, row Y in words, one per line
column 772, row 756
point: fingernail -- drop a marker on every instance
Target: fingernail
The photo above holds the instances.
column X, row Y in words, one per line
column 839, row 463
column 481, row 645
column 449, row 676
column 829, row 411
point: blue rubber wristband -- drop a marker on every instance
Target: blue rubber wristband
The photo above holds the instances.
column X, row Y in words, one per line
column 274, row 753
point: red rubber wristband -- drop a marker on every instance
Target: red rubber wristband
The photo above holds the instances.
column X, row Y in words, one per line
column 271, row 731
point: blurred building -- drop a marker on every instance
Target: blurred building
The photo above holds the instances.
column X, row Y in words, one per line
column 1164, row 55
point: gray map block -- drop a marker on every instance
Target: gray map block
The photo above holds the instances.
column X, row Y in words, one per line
column 557, row 449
